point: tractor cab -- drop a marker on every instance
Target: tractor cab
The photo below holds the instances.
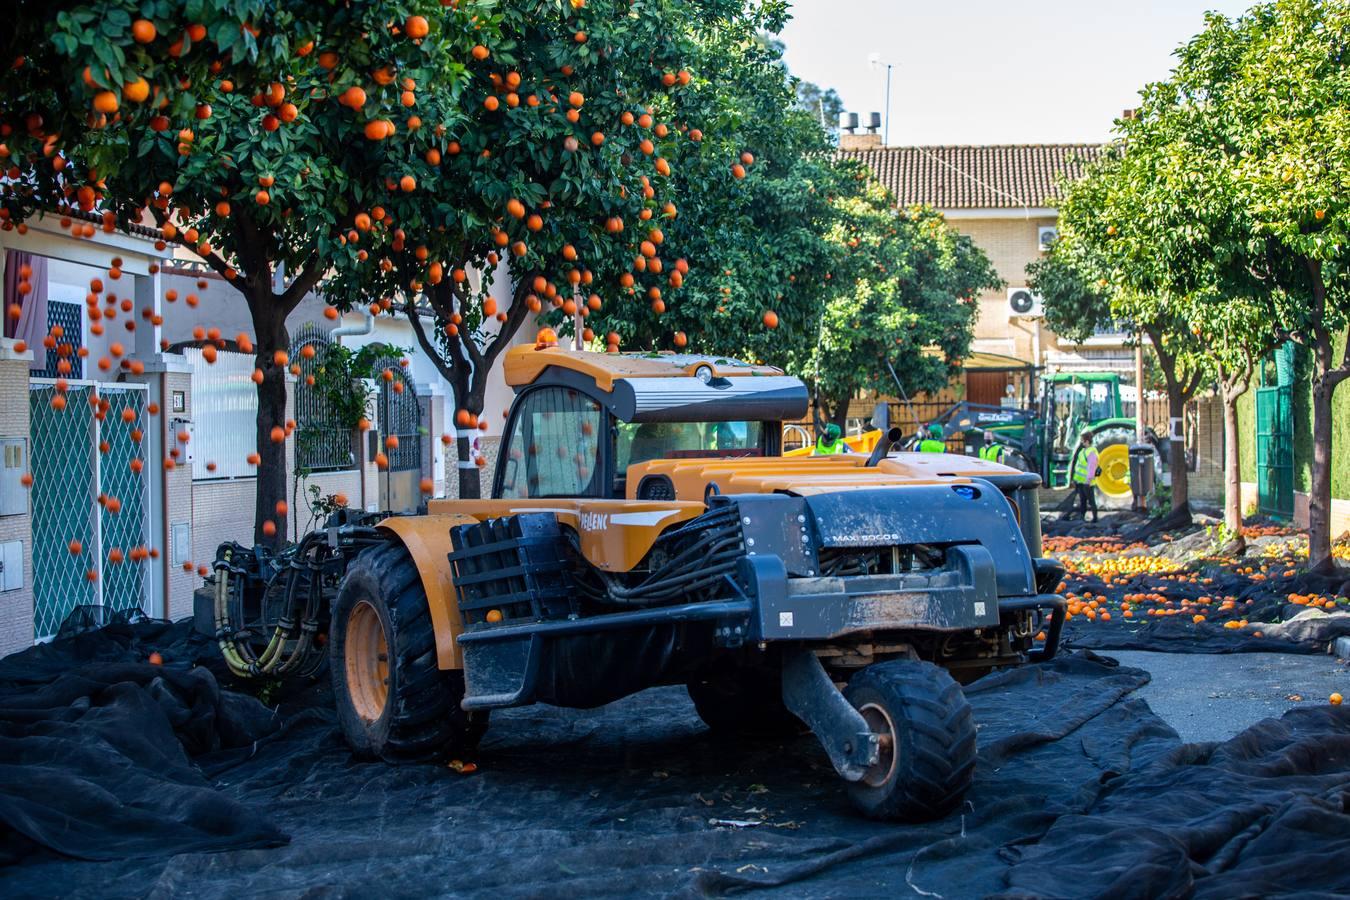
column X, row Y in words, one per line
column 582, row 421
column 1074, row 403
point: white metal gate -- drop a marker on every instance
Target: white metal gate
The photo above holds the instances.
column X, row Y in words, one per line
column 87, row 489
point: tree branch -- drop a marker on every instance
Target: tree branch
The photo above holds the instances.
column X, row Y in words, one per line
column 515, row 317
column 302, row 284
column 427, row 347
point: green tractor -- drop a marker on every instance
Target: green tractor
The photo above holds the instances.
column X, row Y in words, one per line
column 1074, row 403
column 1043, row 438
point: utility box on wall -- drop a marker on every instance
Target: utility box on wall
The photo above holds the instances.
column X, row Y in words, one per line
column 11, row 566
column 13, row 495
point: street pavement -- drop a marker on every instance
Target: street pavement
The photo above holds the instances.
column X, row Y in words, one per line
column 1211, row 697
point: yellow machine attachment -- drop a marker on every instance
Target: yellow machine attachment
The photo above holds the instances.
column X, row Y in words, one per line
column 858, row 443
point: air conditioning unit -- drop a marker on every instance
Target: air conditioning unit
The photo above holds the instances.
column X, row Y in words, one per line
column 1046, row 236
column 1022, row 303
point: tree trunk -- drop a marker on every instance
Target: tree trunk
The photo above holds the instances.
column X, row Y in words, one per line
column 1319, row 490
column 269, row 325
column 1176, row 412
column 470, row 475
column 838, row 414
column 1232, row 467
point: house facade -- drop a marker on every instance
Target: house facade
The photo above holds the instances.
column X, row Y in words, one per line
column 126, row 449
column 1003, row 197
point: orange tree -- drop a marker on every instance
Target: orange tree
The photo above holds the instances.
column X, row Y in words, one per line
column 1232, row 186
column 259, row 134
column 753, row 233
column 795, row 258
column 557, row 175
column 900, row 302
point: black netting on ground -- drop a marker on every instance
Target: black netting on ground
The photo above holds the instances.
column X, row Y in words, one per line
column 1262, row 585
column 1081, row 790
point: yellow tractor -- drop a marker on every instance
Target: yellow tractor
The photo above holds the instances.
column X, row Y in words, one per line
column 644, row 529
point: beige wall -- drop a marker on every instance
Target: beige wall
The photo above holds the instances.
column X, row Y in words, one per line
column 1012, row 242
column 16, row 607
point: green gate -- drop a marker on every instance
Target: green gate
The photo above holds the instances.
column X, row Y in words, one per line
column 1275, row 439
column 71, row 473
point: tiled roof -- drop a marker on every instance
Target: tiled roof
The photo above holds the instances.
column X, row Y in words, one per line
column 1010, row 176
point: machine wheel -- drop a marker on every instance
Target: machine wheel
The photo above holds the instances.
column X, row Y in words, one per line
column 392, row 700
column 1113, row 455
column 927, row 740
column 743, row 701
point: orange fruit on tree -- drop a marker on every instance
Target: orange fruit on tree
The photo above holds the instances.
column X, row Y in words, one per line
column 105, row 102
column 136, row 91
column 143, row 30
column 416, row 27
column 771, row 319
column 479, row 52
column 408, row 184
column 681, row 339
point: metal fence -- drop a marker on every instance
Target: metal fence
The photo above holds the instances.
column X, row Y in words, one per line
column 69, row 317
column 400, row 415
column 85, row 493
column 225, row 413
column 322, row 441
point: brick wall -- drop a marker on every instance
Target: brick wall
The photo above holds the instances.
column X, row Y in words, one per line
column 346, row 482
column 16, row 607
column 1206, row 482
column 1010, row 245
column 221, row 511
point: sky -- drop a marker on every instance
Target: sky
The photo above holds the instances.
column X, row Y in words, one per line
column 993, row 71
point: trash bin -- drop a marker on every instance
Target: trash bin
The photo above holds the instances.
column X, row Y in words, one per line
column 1141, row 474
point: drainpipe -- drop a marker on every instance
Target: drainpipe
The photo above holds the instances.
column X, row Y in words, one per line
column 366, row 327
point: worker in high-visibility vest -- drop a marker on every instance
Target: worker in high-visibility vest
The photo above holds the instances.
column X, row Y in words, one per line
column 1084, row 468
column 992, row 449
column 934, row 442
column 830, row 442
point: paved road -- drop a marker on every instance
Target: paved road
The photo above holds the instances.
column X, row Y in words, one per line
column 1213, row 697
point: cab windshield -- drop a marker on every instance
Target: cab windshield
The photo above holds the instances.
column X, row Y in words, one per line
column 640, row 442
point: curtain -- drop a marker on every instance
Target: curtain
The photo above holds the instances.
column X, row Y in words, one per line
column 31, row 326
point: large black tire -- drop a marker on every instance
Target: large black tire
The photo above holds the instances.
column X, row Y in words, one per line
column 746, row 702
column 397, row 706
column 928, row 745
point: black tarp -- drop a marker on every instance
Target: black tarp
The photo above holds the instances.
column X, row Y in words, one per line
column 1081, row 790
